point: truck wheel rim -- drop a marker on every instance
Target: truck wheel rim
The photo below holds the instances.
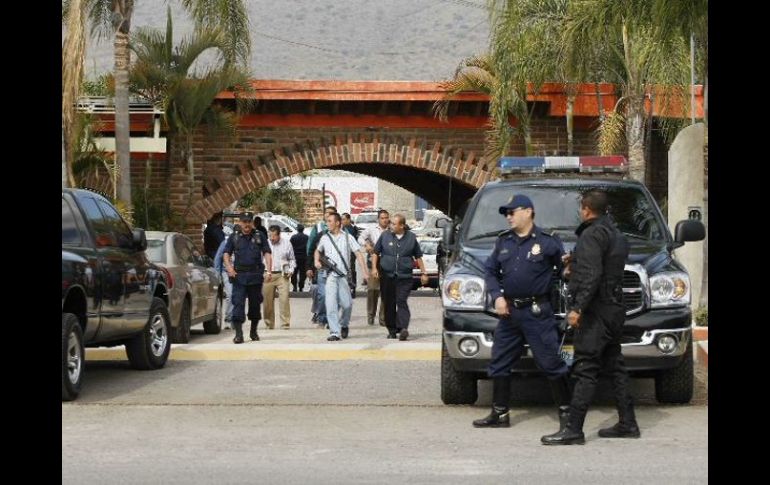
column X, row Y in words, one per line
column 158, row 335
column 74, row 362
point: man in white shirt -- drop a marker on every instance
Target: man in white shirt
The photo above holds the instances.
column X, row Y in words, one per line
column 283, row 267
column 337, row 246
column 368, row 238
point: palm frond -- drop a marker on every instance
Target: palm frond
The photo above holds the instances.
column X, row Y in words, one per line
column 472, row 74
column 231, row 18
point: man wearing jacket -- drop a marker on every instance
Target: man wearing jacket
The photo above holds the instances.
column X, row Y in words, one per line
column 395, row 251
column 597, row 313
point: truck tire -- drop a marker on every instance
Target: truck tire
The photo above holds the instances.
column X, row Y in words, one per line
column 150, row 348
column 181, row 334
column 456, row 387
column 214, row 326
column 675, row 386
column 72, row 357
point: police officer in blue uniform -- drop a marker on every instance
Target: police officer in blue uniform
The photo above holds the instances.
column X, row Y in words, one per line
column 519, row 277
column 243, row 263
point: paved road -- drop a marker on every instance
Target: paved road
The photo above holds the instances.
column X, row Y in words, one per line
column 273, row 420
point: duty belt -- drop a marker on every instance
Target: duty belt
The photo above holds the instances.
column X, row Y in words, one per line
column 524, row 302
column 247, row 269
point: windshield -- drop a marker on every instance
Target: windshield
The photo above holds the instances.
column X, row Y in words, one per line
column 156, row 251
column 428, row 247
column 558, row 208
column 366, row 218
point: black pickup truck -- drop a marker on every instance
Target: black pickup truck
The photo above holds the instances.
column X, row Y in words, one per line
column 657, row 338
column 111, row 294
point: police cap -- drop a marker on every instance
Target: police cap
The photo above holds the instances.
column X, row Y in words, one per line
column 515, row 202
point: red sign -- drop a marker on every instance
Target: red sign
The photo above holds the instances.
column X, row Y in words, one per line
column 360, row 201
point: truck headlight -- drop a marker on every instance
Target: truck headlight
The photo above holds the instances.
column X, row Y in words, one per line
column 464, row 291
column 468, row 346
column 669, row 289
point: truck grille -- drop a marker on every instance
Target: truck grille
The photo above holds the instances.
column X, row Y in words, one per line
column 633, row 294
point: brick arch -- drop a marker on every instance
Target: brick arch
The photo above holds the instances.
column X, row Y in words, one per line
column 464, row 168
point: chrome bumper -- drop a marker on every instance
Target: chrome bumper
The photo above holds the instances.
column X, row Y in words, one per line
column 645, row 348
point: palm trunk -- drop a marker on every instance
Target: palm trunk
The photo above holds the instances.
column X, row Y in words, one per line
column 570, row 123
column 63, row 161
column 188, row 156
column 635, row 136
column 704, row 288
column 599, row 103
column 122, row 119
column 527, row 141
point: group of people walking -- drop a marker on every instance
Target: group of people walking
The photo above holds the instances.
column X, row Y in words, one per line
column 254, row 267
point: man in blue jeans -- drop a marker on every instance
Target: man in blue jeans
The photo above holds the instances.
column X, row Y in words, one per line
column 337, row 246
column 228, row 287
column 318, row 230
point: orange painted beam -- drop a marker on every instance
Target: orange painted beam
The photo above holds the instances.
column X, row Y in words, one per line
column 362, row 121
column 553, row 93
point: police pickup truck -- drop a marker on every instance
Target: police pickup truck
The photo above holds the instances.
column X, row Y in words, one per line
column 657, row 340
column 110, row 293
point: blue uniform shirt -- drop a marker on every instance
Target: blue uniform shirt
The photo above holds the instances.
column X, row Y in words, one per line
column 522, row 267
column 248, row 251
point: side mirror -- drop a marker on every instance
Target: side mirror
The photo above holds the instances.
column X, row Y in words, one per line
column 689, row 230
column 140, row 239
column 440, row 223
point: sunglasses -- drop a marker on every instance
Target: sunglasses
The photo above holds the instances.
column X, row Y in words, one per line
column 510, row 212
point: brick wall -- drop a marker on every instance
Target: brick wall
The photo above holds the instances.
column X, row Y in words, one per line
column 227, row 168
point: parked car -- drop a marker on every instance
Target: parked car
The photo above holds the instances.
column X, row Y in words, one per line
column 287, row 224
column 428, row 247
column 194, row 294
column 657, row 334
column 366, row 218
column 432, row 222
column 111, row 293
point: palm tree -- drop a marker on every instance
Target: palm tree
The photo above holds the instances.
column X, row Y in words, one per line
column 654, row 67
column 166, row 75
column 73, row 54
column 474, row 73
column 523, row 55
column 113, row 17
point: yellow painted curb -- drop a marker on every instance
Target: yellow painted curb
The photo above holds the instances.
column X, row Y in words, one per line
column 257, row 354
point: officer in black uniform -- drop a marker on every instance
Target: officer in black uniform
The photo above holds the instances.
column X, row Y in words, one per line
column 519, row 277
column 595, row 275
column 243, row 262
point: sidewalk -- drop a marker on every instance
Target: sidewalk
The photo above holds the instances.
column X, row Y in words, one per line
column 307, row 341
column 700, row 337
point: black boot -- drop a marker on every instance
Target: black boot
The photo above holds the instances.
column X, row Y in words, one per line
column 498, row 418
column 561, row 397
column 501, row 395
column 572, row 434
column 238, row 339
column 620, row 430
column 626, row 427
column 253, row 331
column 563, row 417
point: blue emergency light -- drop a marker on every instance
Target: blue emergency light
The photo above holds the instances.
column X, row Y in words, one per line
column 613, row 163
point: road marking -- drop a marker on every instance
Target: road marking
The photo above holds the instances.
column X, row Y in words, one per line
column 278, row 354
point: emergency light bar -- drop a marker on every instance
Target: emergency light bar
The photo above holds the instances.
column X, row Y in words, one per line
column 613, row 163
